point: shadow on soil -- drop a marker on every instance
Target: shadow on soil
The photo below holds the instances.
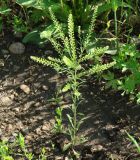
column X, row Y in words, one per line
column 108, row 114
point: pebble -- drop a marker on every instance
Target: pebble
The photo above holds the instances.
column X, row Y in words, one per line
column 25, row 88
column 28, row 105
column 17, row 48
column 97, row 148
column 16, row 109
column 49, row 52
column 6, row 101
column 45, row 88
column 37, row 84
column 37, row 104
column 58, row 158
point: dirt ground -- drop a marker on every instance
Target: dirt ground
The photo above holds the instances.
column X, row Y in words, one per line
column 30, row 113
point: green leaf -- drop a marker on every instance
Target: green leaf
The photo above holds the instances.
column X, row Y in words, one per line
column 59, row 111
column 115, row 4
column 109, row 76
column 77, row 93
column 48, row 32
column 138, row 98
column 67, row 146
column 104, row 7
column 70, row 120
column 129, row 84
column 134, row 141
column 8, row 158
column 26, row 3
column 33, row 37
column 21, row 141
column 66, row 87
column 68, row 62
column 4, row 10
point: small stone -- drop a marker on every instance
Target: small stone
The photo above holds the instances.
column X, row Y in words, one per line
column 25, row 88
column 37, row 84
column 28, row 105
column 49, row 52
column 109, row 127
column 45, row 88
column 97, row 148
column 6, row 101
column 37, row 104
column 6, row 120
column 17, row 48
column 16, row 109
column 15, row 94
column 102, row 101
column 58, row 158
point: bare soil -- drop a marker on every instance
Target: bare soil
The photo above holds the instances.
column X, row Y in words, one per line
column 108, row 113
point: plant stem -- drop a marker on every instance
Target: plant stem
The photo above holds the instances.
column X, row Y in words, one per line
column 74, row 109
column 116, row 30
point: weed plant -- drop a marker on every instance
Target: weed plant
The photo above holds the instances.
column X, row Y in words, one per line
column 71, row 61
column 126, row 72
column 134, row 141
column 19, row 150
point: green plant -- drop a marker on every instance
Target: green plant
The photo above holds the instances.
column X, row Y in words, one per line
column 82, row 12
column 21, row 142
column 43, row 154
column 5, row 151
column 58, row 126
column 19, row 25
column 10, row 151
column 127, row 76
column 4, row 11
column 133, row 140
column 71, row 62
